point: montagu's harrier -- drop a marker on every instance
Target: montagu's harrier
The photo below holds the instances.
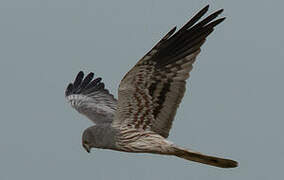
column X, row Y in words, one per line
column 148, row 97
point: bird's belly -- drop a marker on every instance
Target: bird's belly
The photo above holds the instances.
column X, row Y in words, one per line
column 144, row 142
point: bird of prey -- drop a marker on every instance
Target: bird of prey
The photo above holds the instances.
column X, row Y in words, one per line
column 140, row 119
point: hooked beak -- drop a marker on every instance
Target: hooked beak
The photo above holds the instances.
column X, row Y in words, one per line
column 87, row 147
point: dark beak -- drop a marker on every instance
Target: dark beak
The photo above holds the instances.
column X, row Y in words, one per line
column 87, row 147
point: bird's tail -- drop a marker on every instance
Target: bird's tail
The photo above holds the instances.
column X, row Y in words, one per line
column 205, row 159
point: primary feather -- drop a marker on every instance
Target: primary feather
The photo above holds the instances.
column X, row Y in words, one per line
column 90, row 98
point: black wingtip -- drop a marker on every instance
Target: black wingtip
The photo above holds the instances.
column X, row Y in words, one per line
column 206, row 7
column 201, row 13
column 80, row 75
column 87, row 80
column 190, row 37
column 204, row 10
column 68, row 90
column 78, row 79
column 85, row 85
column 215, row 23
column 217, row 13
column 222, row 19
column 172, row 30
column 193, row 20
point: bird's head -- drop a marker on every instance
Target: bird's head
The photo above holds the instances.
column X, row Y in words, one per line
column 88, row 139
column 99, row 136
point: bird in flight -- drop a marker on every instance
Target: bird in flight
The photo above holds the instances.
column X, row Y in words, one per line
column 140, row 119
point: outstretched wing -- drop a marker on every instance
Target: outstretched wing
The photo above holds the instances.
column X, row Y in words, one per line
column 90, row 98
column 150, row 93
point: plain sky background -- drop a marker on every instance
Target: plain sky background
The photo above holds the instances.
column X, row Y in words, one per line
column 233, row 107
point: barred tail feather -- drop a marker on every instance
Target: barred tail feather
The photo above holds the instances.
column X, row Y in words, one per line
column 205, row 159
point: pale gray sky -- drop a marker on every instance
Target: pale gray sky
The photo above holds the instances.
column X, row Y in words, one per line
column 233, row 106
